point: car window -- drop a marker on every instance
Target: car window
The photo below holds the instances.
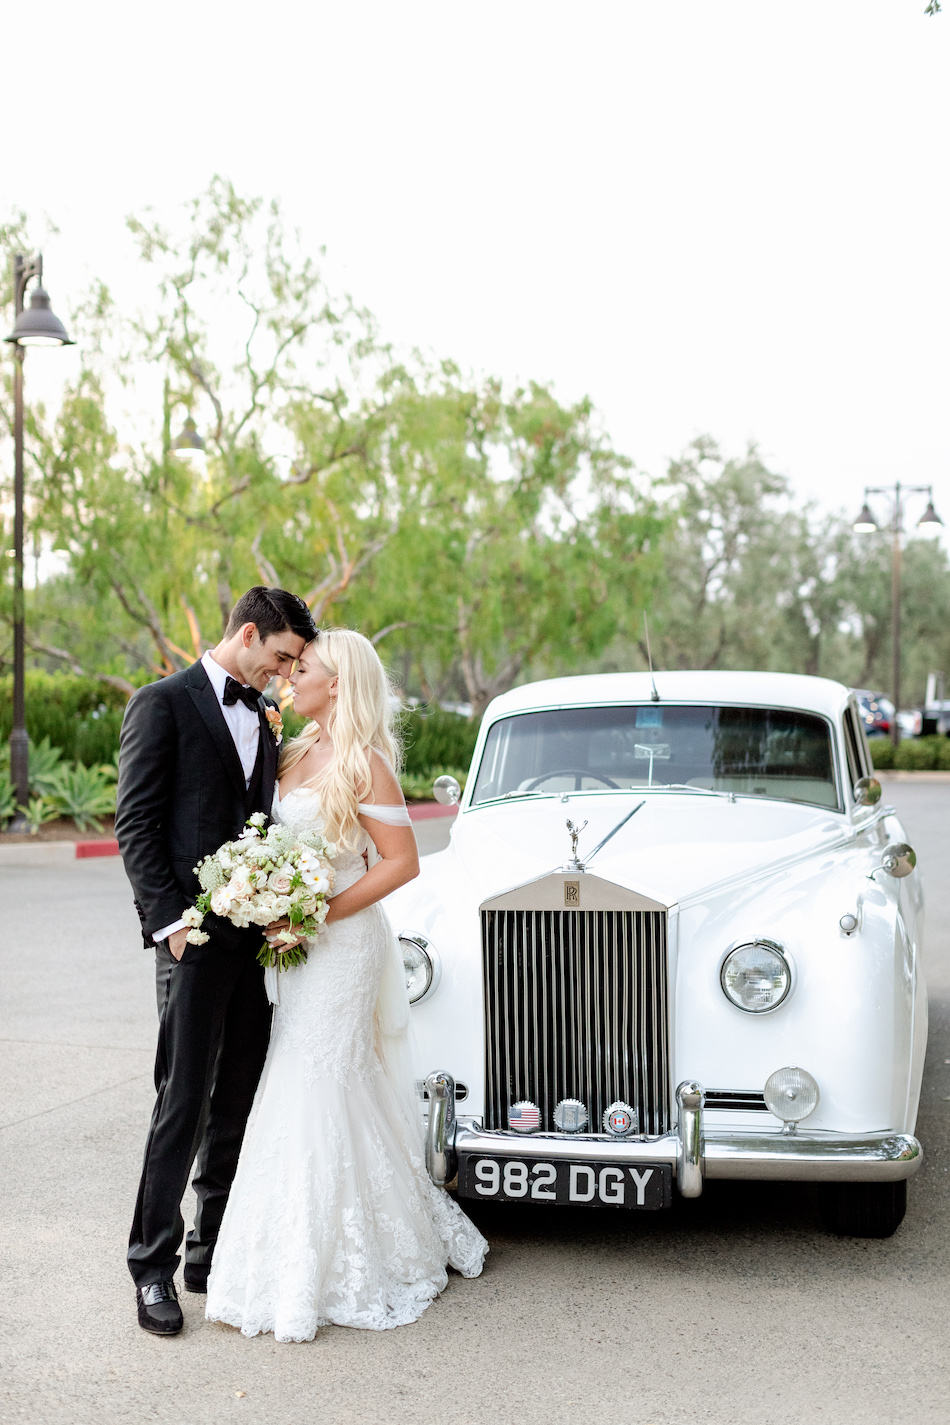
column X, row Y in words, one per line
column 855, row 770
column 764, row 752
column 864, row 748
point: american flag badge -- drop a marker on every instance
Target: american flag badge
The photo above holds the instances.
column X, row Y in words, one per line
column 620, row 1119
column 524, row 1117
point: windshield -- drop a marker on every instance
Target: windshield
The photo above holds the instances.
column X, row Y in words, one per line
column 761, row 752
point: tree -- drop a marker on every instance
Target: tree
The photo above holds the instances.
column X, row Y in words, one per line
column 479, row 535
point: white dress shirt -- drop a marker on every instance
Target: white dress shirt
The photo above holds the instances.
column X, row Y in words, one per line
column 245, row 729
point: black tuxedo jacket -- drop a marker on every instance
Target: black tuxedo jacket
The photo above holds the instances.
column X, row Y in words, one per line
column 181, row 794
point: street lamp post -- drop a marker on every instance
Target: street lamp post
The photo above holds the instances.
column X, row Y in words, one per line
column 867, row 524
column 34, row 326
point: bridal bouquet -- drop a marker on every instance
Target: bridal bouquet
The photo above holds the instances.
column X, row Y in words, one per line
column 262, row 877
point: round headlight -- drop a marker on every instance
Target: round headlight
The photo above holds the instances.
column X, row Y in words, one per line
column 791, row 1094
column 421, row 965
column 756, row 977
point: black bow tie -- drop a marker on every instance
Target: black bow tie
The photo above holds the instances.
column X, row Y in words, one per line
column 236, row 692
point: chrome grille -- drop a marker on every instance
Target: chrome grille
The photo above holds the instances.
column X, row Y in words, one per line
column 576, row 1007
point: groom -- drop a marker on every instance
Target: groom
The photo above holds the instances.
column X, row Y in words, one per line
column 199, row 756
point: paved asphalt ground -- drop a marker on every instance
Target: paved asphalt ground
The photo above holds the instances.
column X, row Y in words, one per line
column 732, row 1308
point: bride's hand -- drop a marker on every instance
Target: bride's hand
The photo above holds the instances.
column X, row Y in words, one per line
column 272, row 931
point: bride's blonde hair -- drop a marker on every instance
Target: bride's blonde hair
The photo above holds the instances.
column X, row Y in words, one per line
column 365, row 718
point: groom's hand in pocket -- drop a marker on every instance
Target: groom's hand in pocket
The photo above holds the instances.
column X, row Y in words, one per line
column 177, row 942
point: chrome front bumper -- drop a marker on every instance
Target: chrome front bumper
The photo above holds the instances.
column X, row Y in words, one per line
column 694, row 1151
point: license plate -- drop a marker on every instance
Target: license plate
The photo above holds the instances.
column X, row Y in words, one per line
column 647, row 1186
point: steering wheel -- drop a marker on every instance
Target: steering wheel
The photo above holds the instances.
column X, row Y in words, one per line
column 577, row 773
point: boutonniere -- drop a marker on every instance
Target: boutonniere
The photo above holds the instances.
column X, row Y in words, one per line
column 276, row 724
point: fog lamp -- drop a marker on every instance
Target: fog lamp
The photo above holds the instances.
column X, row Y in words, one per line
column 756, row 977
column 791, row 1094
column 570, row 1116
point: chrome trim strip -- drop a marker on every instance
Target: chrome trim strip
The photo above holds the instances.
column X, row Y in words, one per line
column 689, row 1155
column 734, row 1155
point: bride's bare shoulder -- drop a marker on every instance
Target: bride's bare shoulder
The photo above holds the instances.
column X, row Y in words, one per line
column 385, row 790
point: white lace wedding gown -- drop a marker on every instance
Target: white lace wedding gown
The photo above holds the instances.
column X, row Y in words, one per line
column 332, row 1217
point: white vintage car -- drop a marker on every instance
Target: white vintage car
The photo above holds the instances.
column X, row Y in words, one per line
column 676, row 936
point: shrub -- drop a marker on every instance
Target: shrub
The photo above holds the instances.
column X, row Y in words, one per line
column 913, row 754
column 80, row 716
column 417, row 786
column 435, row 738
column 7, row 798
column 85, row 794
column 45, row 763
column 39, row 812
column 923, row 754
column 882, row 752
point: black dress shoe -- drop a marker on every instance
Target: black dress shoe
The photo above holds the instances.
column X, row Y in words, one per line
column 196, row 1278
column 158, row 1308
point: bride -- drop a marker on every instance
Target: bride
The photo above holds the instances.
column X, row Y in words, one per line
column 332, row 1217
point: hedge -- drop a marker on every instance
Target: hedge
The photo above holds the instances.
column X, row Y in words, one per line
column 81, row 716
column 912, row 754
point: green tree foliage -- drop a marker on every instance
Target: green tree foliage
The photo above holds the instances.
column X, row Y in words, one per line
column 480, row 536
column 751, row 579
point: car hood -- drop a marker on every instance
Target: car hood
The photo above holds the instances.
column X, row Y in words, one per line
column 675, row 846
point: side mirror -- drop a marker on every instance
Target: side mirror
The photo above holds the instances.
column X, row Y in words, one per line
column 447, row 791
column 867, row 792
column 899, row 859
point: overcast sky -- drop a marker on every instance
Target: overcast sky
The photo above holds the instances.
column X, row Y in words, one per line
column 709, row 215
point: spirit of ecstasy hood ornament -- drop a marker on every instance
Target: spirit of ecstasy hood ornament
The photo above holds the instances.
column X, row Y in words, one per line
column 574, row 831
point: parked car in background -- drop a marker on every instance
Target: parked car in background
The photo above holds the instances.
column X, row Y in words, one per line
column 675, row 937
column 877, row 712
column 936, row 710
column 911, row 722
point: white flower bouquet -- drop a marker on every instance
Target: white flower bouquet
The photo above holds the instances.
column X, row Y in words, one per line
column 265, row 877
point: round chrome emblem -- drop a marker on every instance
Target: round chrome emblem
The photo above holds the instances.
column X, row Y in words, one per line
column 524, row 1117
column 570, row 1116
column 620, row 1119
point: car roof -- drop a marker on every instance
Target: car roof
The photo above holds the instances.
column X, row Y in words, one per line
column 786, row 690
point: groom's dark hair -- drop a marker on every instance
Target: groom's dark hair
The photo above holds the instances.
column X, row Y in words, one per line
column 272, row 611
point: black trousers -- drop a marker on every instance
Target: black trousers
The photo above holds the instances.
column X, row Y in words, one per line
column 214, row 1025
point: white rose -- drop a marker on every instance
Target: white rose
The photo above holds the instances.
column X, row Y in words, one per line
column 221, row 900
column 241, row 886
column 279, row 881
column 281, row 906
column 265, row 908
column 258, row 818
column 192, row 916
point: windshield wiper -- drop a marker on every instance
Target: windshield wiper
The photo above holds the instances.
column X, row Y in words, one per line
column 685, row 787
